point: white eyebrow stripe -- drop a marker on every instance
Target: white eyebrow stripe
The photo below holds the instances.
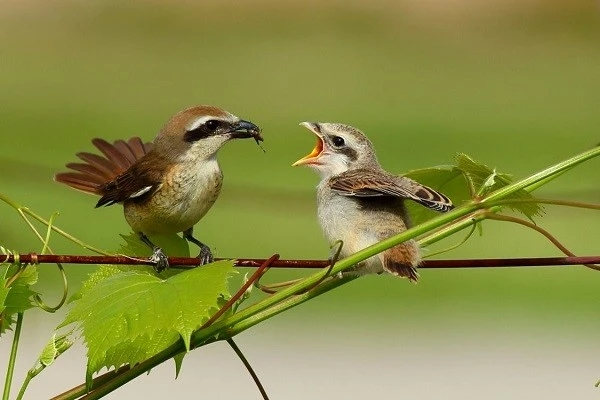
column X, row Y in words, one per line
column 195, row 124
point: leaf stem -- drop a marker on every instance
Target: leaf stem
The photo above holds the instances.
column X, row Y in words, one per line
column 244, row 360
column 24, row 386
column 13, row 357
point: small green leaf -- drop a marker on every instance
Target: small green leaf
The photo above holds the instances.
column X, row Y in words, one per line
column 130, row 316
column 48, row 353
column 485, row 180
column 17, row 297
column 55, row 347
column 27, row 276
column 478, row 174
column 489, row 182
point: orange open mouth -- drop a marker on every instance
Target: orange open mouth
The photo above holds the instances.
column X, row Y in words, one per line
column 313, row 156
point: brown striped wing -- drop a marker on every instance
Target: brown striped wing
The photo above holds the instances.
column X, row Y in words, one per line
column 138, row 182
column 364, row 182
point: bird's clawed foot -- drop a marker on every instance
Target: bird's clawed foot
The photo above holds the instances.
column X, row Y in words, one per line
column 205, row 256
column 160, row 259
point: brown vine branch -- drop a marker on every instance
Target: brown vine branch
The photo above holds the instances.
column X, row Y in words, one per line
column 542, row 231
column 191, row 262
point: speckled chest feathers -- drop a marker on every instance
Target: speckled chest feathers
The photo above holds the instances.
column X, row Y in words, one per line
column 183, row 198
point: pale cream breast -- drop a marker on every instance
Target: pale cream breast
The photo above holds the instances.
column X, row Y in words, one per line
column 342, row 218
column 184, row 198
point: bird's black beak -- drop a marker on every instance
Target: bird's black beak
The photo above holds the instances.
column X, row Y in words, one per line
column 244, row 130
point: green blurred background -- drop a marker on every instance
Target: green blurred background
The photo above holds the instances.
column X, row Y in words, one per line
column 513, row 84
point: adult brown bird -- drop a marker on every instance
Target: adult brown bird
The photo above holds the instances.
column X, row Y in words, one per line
column 360, row 203
column 168, row 185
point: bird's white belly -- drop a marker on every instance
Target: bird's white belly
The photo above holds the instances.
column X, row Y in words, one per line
column 341, row 219
column 336, row 218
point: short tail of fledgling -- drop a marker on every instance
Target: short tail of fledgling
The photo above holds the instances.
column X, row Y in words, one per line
column 402, row 260
column 402, row 271
column 96, row 170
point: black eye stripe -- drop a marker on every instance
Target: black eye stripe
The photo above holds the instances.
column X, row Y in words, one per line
column 195, row 135
column 206, row 129
column 348, row 152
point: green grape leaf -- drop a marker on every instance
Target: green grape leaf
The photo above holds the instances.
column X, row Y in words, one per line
column 468, row 178
column 100, row 274
column 484, row 180
column 17, row 296
column 131, row 315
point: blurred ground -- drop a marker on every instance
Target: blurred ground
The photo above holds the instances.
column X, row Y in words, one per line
column 513, row 84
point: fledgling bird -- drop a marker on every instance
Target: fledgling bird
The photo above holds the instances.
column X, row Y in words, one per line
column 168, row 185
column 360, row 203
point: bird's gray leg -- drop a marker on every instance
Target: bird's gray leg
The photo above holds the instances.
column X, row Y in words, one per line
column 205, row 255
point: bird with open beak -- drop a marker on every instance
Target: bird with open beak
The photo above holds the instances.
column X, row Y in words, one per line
column 168, row 185
column 360, row 203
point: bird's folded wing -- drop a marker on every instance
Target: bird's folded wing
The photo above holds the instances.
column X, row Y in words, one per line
column 137, row 183
column 371, row 183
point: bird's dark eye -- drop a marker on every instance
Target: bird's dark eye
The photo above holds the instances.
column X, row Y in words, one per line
column 212, row 124
column 338, row 141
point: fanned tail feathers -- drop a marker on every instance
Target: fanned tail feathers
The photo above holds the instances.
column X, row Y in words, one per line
column 97, row 170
